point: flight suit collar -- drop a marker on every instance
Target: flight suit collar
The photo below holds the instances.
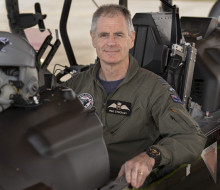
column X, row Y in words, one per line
column 132, row 70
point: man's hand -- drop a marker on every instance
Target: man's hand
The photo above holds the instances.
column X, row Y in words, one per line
column 137, row 169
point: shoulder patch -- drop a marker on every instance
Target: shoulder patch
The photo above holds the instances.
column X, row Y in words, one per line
column 86, row 100
column 176, row 98
column 171, row 89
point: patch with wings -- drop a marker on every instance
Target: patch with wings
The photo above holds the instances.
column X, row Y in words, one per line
column 118, row 107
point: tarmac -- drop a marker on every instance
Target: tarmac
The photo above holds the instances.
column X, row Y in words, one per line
column 78, row 25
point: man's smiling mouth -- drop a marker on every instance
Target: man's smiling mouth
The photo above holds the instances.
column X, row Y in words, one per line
column 111, row 51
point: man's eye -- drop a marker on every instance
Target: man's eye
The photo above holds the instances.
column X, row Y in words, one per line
column 103, row 35
column 119, row 35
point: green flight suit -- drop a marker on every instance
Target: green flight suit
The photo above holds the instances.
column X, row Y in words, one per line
column 142, row 108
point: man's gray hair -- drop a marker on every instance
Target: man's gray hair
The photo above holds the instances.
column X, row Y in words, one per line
column 112, row 10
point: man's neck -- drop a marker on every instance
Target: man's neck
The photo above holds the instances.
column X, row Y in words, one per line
column 113, row 72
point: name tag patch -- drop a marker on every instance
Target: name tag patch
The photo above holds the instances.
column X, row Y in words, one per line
column 118, row 107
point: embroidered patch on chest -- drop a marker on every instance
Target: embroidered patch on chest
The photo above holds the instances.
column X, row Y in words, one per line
column 86, row 100
column 118, row 107
column 176, row 98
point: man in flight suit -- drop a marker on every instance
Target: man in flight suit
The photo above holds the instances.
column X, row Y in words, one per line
column 135, row 105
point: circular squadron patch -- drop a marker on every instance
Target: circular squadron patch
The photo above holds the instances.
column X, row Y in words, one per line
column 86, row 100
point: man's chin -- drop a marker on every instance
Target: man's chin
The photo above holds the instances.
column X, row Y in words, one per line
column 111, row 60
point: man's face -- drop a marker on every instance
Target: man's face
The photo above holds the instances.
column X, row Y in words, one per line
column 112, row 40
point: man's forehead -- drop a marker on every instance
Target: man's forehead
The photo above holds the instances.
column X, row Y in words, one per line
column 105, row 21
column 111, row 20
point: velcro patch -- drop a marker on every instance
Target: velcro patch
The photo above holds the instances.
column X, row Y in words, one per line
column 176, row 98
column 171, row 89
column 86, row 100
column 118, row 107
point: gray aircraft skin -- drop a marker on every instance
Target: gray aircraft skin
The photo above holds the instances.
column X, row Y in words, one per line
column 49, row 141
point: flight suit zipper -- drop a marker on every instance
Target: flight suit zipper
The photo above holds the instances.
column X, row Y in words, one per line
column 103, row 108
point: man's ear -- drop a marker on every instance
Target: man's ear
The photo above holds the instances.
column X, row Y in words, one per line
column 132, row 38
column 93, row 39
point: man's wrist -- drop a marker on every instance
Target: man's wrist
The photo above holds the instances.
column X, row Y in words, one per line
column 155, row 154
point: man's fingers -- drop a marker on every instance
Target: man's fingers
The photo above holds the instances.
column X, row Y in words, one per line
column 134, row 175
column 141, row 176
column 122, row 171
column 138, row 178
column 128, row 171
column 137, row 169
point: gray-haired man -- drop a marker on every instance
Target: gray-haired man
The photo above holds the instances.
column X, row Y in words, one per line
column 135, row 106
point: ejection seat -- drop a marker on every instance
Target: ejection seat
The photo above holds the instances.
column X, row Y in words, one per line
column 152, row 39
column 160, row 48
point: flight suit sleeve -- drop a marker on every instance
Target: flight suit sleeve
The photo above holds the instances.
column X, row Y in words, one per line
column 182, row 140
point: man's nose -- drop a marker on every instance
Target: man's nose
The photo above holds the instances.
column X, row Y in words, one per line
column 111, row 40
